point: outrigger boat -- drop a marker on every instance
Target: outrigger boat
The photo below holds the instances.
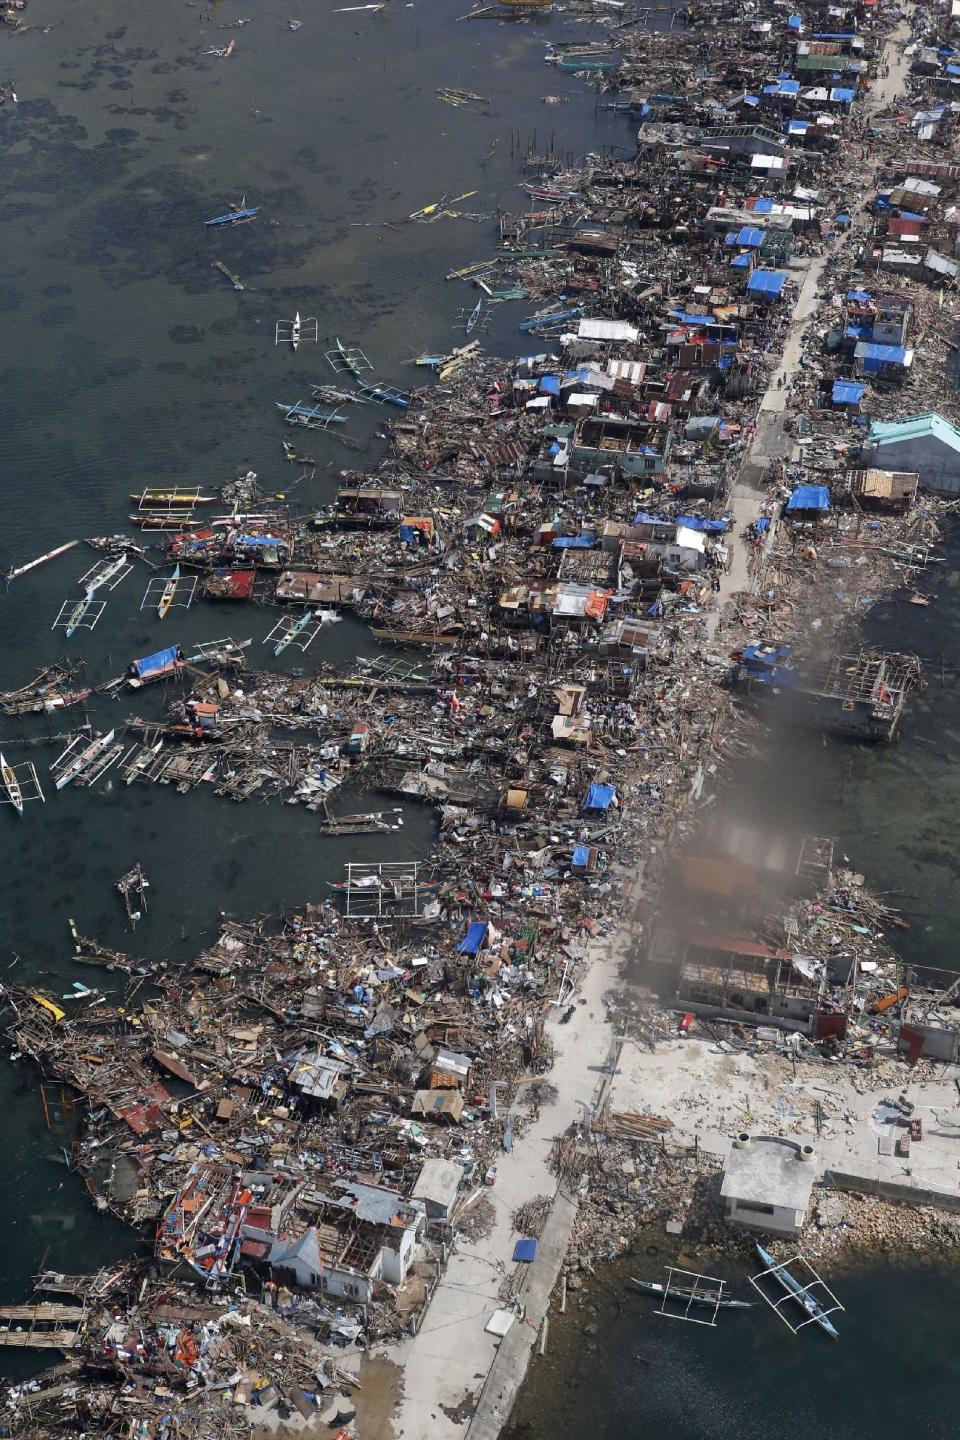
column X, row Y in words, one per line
column 235, row 280
column 170, row 499
column 386, row 394
column 474, row 316
column 12, row 785
column 297, row 628
column 800, row 1293
column 295, row 331
column 112, row 573
column 85, row 759
column 167, row 594
column 233, row 216
column 309, row 415
column 690, row 1293
column 78, row 613
column 349, row 360
column 160, row 521
column 373, row 882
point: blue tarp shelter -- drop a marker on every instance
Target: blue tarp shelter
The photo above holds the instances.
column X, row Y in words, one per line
column 881, row 354
column 861, row 296
column 581, row 856
column 809, row 497
column 474, row 938
column 574, row 542
column 847, row 392
column 742, row 261
column 599, row 797
column 840, row 95
column 550, row 384
column 159, row 660
column 767, row 282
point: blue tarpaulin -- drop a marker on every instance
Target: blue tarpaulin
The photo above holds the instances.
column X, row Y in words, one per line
column 887, row 354
column 599, row 797
column 644, row 519
column 847, row 392
column 474, row 938
column 525, row 1250
column 750, row 235
column 796, row 127
column 809, row 497
column 150, row 664
column 574, row 542
column 767, row 282
column 842, row 96
column 783, row 87
column 795, row 22
column 550, row 384
column 743, row 261
column 861, row 296
column 259, row 542
column 699, row 522
column 581, row 856
column 763, row 205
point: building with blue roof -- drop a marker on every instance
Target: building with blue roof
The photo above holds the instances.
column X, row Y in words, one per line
column 767, row 283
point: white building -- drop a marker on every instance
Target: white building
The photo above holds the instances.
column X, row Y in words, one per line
column 767, row 1183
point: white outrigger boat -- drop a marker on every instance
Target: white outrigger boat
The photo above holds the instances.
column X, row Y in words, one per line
column 295, row 331
column 11, row 784
column 84, row 760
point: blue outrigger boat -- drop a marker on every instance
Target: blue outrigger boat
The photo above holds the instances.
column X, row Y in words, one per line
column 386, row 394
column 799, row 1292
column 554, row 317
column 233, row 216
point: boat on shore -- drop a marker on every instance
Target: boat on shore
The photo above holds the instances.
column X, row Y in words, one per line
column 799, row 1292
column 11, row 785
column 688, row 1294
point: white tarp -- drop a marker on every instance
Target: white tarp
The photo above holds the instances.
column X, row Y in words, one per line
column 606, row 330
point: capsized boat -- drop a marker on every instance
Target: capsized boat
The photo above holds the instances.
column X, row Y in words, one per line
column 12, row 785
column 780, row 1273
column 169, row 591
column 687, row 1293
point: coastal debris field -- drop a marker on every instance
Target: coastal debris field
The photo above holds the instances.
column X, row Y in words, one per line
column 589, row 567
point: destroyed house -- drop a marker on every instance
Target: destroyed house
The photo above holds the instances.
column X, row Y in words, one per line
column 361, row 1234
column 737, row 979
column 637, row 448
column 370, row 507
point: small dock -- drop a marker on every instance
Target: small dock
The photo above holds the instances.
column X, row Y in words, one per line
column 40, row 1327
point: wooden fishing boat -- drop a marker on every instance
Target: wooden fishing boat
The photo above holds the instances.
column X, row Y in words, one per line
column 168, row 593
column 474, row 316
column 170, row 499
column 310, row 415
column 164, row 522
column 233, row 217
column 685, row 1293
column 782, row 1275
column 11, row 785
column 235, row 280
column 295, row 331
